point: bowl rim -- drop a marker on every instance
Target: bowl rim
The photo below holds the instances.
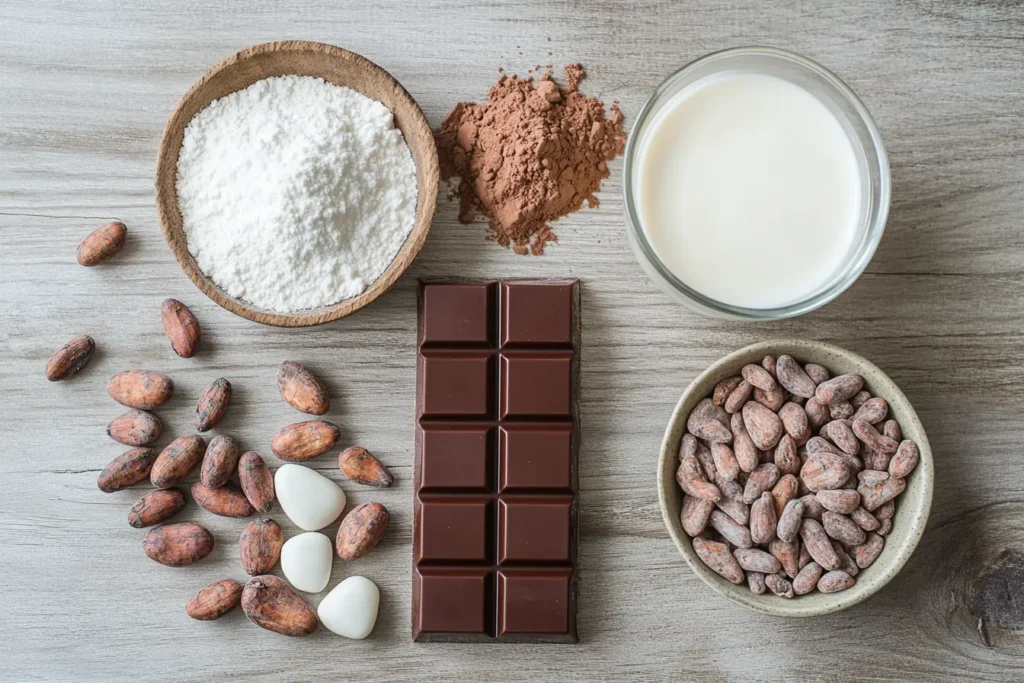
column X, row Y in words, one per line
column 740, row 593
column 165, row 182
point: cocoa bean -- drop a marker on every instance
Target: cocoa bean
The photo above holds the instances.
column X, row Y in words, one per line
column 843, row 501
column 885, row 511
column 772, row 400
column 177, row 460
column 824, row 471
column 754, row 560
column 708, row 466
column 301, row 389
column 725, row 461
column 778, row 585
column 873, row 460
column 155, row 507
column 135, row 428
column 840, row 434
column 260, row 545
column 739, row 397
column 867, row 552
column 762, row 520
column 215, row 600
column 219, row 462
column 213, row 404
column 695, row 515
column 835, row 581
column 691, row 479
column 864, row 519
column 807, row 580
column 770, row 364
column 872, row 410
column 759, row 377
column 764, row 426
column 755, row 581
column 788, row 555
column 812, row 508
column 181, row 327
column 841, row 388
column 873, row 497
column 790, row 520
column 226, row 502
column 70, row 358
column 817, row 413
column 818, row 544
column 140, row 389
column 743, row 446
column 704, row 423
column 891, row 429
column 842, row 528
column 302, row 441
column 817, row 373
column 362, row 529
column 731, row 502
column 738, row 535
column 178, row 545
column 805, row 557
column 872, row 477
column 126, row 470
column 724, row 388
column 785, row 490
column 762, row 479
column 905, row 460
column 795, row 422
column 793, row 378
column 786, row 458
column 359, row 465
column 270, row 603
column 872, row 439
column 718, row 558
column 843, row 410
column 257, row 482
column 860, row 398
column 102, row 243
column 884, row 527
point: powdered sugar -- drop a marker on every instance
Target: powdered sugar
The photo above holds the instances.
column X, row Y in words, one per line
column 295, row 193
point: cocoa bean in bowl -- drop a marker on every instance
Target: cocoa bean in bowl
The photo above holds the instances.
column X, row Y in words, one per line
column 795, row 477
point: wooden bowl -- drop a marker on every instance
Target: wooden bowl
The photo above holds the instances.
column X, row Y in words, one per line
column 300, row 58
column 912, row 506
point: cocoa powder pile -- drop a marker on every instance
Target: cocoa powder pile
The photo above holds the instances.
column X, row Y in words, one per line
column 529, row 155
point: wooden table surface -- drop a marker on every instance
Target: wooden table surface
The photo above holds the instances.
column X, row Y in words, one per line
column 85, row 89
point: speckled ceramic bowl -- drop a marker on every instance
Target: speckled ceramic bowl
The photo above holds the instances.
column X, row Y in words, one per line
column 912, row 506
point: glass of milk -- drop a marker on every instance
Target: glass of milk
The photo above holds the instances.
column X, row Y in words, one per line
column 757, row 186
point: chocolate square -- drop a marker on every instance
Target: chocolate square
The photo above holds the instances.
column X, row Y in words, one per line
column 534, row 529
column 535, row 457
column 531, row 601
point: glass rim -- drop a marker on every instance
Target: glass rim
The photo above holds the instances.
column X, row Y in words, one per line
column 848, row 273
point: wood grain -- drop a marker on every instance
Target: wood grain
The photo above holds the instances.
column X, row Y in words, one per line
column 85, row 90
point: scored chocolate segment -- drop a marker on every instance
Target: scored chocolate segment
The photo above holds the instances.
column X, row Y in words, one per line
column 495, row 510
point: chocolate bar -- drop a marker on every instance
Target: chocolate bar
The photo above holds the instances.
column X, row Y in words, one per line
column 497, row 443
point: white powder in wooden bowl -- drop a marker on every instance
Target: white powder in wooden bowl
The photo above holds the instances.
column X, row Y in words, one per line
column 295, row 193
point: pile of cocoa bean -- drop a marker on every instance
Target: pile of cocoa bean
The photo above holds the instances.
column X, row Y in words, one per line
column 790, row 477
column 230, row 483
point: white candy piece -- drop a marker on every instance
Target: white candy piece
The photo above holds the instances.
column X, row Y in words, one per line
column 311, row 500
column 306, row 561
column 350, row 609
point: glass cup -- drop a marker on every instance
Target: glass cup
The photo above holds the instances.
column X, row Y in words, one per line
column 852, row 115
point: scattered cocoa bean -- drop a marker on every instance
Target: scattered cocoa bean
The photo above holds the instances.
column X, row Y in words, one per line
column 215, row 600
column 126, row 470
column 70, row 358
column 155, row 507
column 260, row 545
column 181, row 327
column 135, row 428
column 362, row 529
column 219, row 462
column 718, row 558
column 270, row 603
column 304, row 440
column 213, row 404
column 257, row 482
column 359, row 465
column 102, row 243
column 905, row 460
column 177, row 460
column 226, row 502
column 140, row 389
column 301, row 389
column 178, row 545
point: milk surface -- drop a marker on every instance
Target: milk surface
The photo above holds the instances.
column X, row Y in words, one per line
column 749, row 190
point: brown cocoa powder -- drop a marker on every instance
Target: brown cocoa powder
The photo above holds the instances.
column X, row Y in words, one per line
column 531, row 154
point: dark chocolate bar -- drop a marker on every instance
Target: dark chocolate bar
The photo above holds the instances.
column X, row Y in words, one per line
column 497, row 443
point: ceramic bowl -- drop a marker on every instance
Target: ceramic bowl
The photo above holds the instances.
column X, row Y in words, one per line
column 912, row 506
column 334, row 65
